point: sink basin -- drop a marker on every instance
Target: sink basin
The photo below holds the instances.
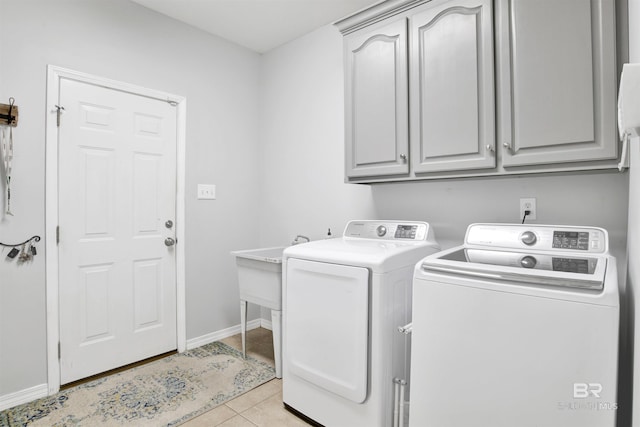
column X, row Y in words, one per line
column 260, row 282
column 260, row 276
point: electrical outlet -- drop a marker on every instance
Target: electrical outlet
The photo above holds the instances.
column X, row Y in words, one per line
column 206, row 191
column 528, row 204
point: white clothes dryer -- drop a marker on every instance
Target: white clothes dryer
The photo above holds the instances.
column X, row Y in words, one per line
column 343, row 300
column 517, row 327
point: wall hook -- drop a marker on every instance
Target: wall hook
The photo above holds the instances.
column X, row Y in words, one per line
column 9, row 113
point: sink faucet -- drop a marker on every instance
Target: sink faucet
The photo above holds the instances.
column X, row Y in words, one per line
column 298, row 239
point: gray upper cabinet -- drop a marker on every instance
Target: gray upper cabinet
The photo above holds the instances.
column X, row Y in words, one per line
column 452, row 86
column 464, row 88
column 377, row 128
column 557, row 81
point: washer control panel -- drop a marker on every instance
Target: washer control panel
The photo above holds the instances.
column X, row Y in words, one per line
column 388, row 230
column 578, row 240
column 539, row 237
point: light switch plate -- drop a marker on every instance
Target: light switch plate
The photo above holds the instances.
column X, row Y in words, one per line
column 206, row 192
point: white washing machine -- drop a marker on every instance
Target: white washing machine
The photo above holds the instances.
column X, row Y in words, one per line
column 518, row 327
column 343, row 300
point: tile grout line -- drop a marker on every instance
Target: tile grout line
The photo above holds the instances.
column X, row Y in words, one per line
column 248, row 420
column 256, row 404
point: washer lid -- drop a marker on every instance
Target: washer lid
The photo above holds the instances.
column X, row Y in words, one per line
column 535, row 268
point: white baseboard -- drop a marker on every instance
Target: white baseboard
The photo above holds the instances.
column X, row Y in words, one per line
column 224, row 333
column 266, row 324
column 36, row 392
column 23, row 396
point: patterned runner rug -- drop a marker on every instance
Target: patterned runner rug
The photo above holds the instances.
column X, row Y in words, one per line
column 166, row 392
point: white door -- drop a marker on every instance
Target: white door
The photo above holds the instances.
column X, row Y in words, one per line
column 117, row 190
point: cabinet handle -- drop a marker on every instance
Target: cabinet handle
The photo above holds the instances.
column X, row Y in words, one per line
column 406, row 329
column 507, row 146
column 489, row 147
column 403, row 157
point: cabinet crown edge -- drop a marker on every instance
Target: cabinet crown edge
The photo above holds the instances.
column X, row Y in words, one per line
column 373, row 14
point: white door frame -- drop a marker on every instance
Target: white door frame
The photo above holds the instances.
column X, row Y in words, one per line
column 54, row 75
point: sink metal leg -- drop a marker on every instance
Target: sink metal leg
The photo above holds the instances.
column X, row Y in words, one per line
column 276, row 328
column 243, row 326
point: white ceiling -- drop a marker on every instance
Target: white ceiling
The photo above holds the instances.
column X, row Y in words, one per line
column 259, row 25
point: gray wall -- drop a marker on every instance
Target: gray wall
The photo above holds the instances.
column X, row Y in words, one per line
column 121, row 40
column 302, row 134
column 597, row 199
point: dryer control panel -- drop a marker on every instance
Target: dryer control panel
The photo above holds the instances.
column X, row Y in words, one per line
column 388, row 230
column 548, row 238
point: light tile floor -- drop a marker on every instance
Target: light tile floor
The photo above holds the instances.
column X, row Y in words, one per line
column 261, row 406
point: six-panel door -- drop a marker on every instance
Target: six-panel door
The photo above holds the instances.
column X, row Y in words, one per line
column 117, row 190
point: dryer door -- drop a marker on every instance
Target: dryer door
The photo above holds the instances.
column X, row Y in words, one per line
column 327, row 327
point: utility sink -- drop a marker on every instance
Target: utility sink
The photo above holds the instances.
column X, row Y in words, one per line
column 260, row 276
column 260, row 282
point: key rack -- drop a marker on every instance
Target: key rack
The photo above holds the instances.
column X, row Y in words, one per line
column 27, row 252
column 9, row 113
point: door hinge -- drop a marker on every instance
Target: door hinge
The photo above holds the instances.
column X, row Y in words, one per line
column 57, row 235
column 59, row 110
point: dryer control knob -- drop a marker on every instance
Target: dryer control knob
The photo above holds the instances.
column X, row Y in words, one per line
column 528, row 238
column 381, row 230
column 528, row 262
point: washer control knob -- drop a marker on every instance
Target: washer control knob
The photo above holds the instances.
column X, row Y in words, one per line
column 528, row 262
column 381, row 230
column 528, row 238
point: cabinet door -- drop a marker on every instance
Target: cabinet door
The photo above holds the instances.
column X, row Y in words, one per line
column 556, row 81
column 452, row 86
column 376, row 96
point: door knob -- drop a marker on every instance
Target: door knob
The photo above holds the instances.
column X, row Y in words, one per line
column 169, row 241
